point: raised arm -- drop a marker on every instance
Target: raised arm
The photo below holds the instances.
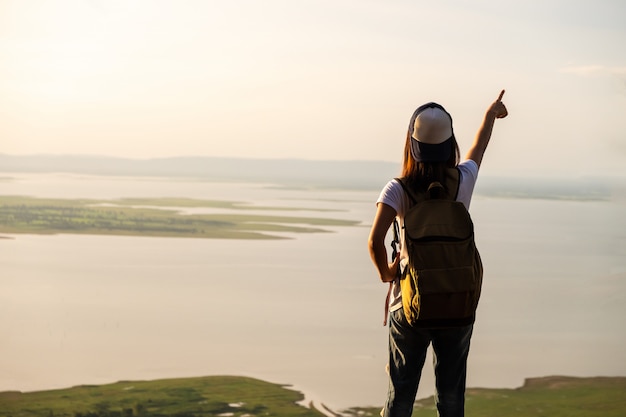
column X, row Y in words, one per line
column 496, row 110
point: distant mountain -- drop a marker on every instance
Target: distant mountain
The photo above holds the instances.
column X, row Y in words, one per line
column 283, row 172
column 299, row 173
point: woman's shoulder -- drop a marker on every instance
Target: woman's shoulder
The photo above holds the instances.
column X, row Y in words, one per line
column 468, row 170
column 469, row 174
column 392, row 194
column 392, row 188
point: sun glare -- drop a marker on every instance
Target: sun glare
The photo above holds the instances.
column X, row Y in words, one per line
column 65, row 56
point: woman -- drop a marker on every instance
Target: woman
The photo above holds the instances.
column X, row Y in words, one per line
column 430, row 150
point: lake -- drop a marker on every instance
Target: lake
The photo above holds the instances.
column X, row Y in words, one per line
column 305, row 311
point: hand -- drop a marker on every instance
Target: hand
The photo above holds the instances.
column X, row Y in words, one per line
column 497, row 108
column 394, row 268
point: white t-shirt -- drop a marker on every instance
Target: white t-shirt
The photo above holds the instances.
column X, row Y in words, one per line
column 394, row 196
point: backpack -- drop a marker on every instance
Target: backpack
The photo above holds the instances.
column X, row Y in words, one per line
column 442, row 282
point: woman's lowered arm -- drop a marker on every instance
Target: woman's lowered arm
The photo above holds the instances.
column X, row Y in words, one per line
column 376, row 242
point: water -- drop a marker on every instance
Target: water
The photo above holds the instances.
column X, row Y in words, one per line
column 305, row 311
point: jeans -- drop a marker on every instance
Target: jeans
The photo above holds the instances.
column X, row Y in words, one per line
column 407, row 353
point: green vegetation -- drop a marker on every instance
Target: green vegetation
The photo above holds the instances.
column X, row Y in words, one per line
column 555, row 396
column 192, row 202
column 188, row 397
column 151, row 217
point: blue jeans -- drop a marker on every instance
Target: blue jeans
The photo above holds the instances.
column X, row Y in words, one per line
column 407, row 353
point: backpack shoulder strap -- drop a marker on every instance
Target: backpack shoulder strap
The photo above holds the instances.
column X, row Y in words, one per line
column 410, row 193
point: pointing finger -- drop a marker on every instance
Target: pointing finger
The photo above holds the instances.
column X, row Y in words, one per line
column 500, row 96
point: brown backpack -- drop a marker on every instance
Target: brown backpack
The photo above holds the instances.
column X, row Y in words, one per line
column 442, row 282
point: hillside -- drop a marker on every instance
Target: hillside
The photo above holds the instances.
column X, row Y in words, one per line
column 285, row 172
column 296, row 173
column 554, row 396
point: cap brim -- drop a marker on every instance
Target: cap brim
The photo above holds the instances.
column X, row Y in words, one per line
column 426, row 152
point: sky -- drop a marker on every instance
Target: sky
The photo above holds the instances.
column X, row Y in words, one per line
column 315, row 79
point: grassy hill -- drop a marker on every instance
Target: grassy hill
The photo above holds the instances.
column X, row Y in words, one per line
column 188, row 397
column 227, row 396
column 153, row 217
column 553, row 396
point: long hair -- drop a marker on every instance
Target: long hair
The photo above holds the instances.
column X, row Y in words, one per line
column 421, row 174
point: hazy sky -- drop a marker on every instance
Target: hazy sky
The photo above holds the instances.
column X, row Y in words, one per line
column 314, row 79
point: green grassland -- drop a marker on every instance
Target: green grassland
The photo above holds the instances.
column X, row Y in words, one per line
column 153, row 217
column 555, row 396
column 189, row 397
